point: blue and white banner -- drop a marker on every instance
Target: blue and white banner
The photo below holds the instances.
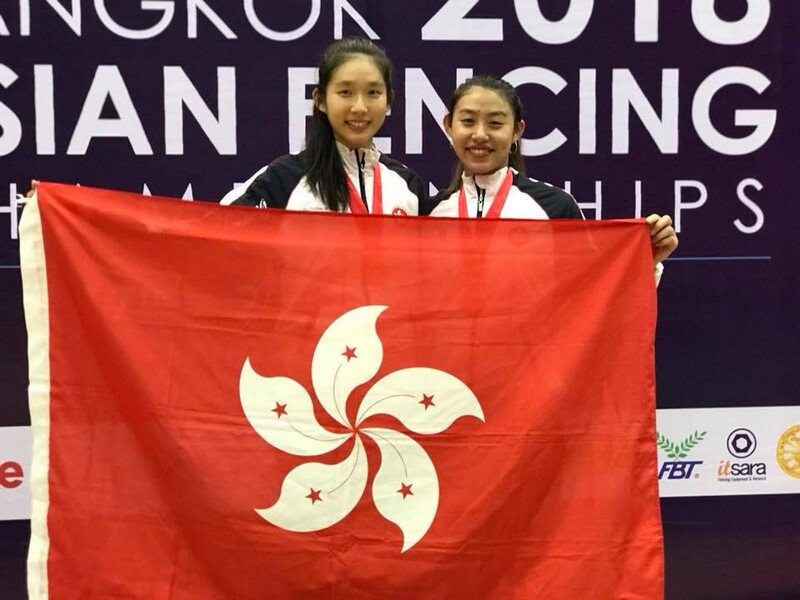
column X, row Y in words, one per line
column 637, row 107
column 15, row 468
column 729, row 451
column 702, row 452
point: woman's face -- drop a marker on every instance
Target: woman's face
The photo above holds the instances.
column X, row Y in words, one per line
column 355, row 102
column 482, row 129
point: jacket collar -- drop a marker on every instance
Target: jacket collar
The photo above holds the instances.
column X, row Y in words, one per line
column 351, row 158
column 489, row 182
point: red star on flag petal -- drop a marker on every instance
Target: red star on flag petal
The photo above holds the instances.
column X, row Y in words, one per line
column 427, row 401
column 314, row 495
column 280, row 409
column 405, row 490
column 349, row 353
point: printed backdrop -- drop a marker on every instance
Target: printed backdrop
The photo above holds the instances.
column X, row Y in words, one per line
column 685, row 107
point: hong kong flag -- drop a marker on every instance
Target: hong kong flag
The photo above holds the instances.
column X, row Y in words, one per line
column 239, row 403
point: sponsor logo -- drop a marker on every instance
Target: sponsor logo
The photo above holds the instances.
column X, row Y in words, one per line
column 678, row 468
column 788, row 451
column 741, row 443
column 10, row 475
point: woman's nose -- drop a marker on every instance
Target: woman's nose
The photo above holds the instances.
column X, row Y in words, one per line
column 358, row 104
column 479, row 132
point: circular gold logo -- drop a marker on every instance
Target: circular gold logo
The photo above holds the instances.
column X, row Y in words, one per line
column 789, row 451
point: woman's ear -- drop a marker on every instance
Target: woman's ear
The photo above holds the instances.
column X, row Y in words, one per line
column 317, row 100
column 519, row 129
column 448, row 125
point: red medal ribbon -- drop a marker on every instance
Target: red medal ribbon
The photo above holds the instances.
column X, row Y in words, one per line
column 357, row 205
column 497, row 204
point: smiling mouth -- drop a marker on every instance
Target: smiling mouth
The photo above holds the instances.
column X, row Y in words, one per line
column 358, row 124
column 479, row 152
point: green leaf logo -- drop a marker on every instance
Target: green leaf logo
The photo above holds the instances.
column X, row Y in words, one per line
column 679, row 451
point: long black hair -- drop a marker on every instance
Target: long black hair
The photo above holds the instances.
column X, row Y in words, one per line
column 507, row 92
column 325, row 175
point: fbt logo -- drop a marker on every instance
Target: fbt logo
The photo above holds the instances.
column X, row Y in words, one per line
column 741, row 443
column 677, row 467
column 11, row 475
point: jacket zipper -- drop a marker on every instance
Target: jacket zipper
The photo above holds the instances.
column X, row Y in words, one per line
column 481, row 197
column 361, row 161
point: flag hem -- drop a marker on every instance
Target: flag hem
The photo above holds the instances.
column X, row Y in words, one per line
column 36, row 305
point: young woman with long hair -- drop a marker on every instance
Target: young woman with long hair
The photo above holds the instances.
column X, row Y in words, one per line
column 485, row 123
column 340, row 169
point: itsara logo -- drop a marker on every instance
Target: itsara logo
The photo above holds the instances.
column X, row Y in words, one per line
column 788, row 451
column 679, row 469
column 741, row 443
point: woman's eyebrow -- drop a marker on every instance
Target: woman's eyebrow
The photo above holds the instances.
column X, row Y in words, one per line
column 353, row 82
column 471, row 112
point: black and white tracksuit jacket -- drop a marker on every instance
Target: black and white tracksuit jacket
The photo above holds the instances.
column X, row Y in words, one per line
column 527, row 198
column 283, row 183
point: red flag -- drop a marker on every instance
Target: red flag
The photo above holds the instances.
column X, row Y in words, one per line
column 234, row 403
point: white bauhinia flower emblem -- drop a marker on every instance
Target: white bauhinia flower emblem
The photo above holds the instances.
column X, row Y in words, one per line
column 316, row 495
